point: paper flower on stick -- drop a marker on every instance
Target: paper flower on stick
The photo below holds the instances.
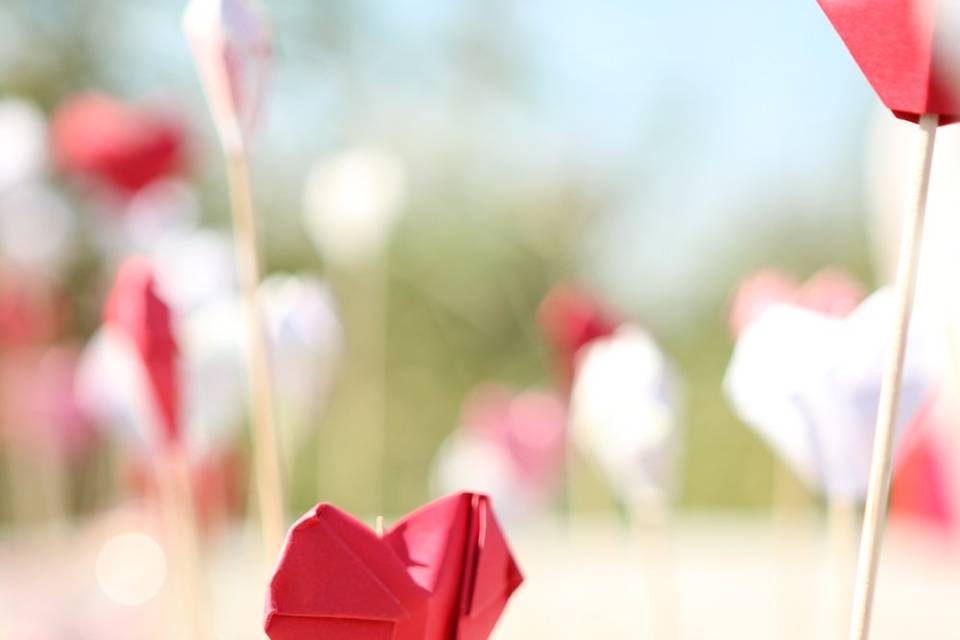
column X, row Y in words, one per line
column 510, row 446
column 24, row 132
column 623, row 411
column 124, row 146
column 352, row 202
column 809, row 384
column 444, row 572
column 570, row 320
column 129, row 378
column 897, row 44
column 232, row 49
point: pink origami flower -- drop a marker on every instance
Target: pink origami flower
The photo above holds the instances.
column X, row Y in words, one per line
column 831, row 291
column 444, row 572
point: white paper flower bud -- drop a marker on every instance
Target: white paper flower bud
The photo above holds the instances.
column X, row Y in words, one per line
column 232, row 49
column 352, row 203
column 809, row 385
column 305, row 338
column 37, row 229
column 623, row 412
column 112, row 389
column 23, row 153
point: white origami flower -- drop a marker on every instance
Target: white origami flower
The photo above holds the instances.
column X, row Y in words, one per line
column 468, row 461
column 305, row 342
column 112, row 389
column 37, row 229
column 23, row 154
column 353, row 202
column 624, row 412
column 232, row 49
column 809, row 385
column 304, row 336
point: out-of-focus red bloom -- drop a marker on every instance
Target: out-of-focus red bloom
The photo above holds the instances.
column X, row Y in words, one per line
column 216, row 483
column 920, row 489
column 831, row 291
column 31, row 311
column 126, row 146
column 570, row 320
column 38, row 407
column 135, row 310
column 530, row 426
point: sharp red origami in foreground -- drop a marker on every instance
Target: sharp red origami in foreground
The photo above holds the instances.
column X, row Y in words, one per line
column 895, row 44
column 444, row 572
column 135, row 310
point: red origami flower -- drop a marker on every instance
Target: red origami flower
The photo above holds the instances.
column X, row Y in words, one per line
column 570, row 320
column 135, row 310
column 123, row 145
column 444, row 572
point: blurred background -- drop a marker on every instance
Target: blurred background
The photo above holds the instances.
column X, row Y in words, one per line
column 647, row 156
column 654, row 153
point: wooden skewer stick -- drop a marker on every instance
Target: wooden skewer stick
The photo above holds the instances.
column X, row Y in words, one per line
column 841, row 538
column 265, row 445
column 881, row 467
column 179, row 523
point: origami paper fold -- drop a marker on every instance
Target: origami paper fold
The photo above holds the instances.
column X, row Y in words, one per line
column 809, row 384
column 444, row 572
column 232, row 47
column 135, row 310
column 895, row 44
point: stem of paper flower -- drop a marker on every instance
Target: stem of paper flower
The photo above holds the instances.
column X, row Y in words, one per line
column 842, row 536
column 882, row 464
column 792, row 515
column 650, row 524
column 178, row 516
column 269, row 483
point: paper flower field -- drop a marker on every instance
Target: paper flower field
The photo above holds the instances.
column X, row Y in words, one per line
column 452, row 320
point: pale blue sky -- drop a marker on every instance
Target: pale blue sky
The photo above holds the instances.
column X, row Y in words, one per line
column 693, row 110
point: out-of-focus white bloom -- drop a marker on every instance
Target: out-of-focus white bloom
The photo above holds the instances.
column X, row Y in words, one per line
column 23, row 153
column 809, row 385
column 623, row 411
column 511, row 446
column 352, row 203
column 232, row 49
column 37, row 228
column 162, row 207
column 469, row 461
column 211, row 339
column 113, row 391
column 891, row 156
column 194, row 268
column 304, row 336
column 305, row 341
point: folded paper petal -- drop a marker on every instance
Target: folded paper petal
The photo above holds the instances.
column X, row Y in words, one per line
column 135, row 309
column 442, row 573
column 809, row 385
column 894, row 42
column 337, row 580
